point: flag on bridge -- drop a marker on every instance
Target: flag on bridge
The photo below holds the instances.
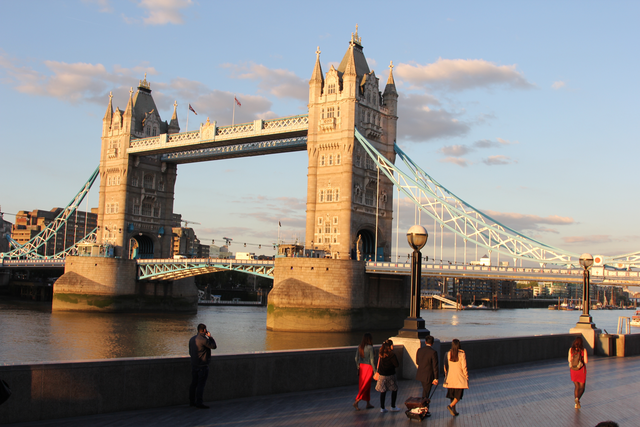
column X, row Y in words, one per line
column 237, row 102
column 191, row 108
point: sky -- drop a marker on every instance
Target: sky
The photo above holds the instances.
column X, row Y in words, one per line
column 528, row 111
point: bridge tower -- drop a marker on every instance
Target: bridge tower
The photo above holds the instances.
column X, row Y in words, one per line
column 135, row 217
column 349, row 204
column 135, row 211
column 349, row 209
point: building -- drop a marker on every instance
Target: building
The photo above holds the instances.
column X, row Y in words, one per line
column 29, row 224
column 5, row 230
column 185, row 243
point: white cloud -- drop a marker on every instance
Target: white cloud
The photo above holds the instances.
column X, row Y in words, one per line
column 82, row 82
column 455, row 150
column 104, row 5
column 278, row 82
column 456, row 161
column 420, row 123
column 498, row 160
column 523, row 222
column 162, row 12
column 558, row 85
column 599, row 238
column 461, row 74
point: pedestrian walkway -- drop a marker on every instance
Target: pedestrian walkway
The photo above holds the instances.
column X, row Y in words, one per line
column 533, row 394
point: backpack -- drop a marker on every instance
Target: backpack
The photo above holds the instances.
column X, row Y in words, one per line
column 576, row 361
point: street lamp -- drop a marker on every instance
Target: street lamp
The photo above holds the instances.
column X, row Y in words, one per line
column 414, row 325
column 586, row 261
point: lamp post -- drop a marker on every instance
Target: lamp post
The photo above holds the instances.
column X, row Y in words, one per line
column 414, row 325
column 586, row 261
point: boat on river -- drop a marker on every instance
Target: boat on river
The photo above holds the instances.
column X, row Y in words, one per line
column 635, row 319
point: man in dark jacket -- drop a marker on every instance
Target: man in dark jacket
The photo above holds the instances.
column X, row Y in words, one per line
column 427, row 361
column 200, row 347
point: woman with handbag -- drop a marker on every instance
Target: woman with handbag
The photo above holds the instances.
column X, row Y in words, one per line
column 387, row 364
column 578, row 366
column 366, row 369
column 456, row 375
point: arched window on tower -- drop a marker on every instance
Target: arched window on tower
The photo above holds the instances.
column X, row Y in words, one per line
column 321, row 196
column 337, row 159
column 329, row 195
column 322, row 160
column 330, row 159
column 337, row 194
column 148, row 181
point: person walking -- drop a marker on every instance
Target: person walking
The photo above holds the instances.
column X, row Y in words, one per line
column 427, row 361
column 366, row 369
column 456, row 375
column 200, row 346
column 578, row 359
column 387, row 364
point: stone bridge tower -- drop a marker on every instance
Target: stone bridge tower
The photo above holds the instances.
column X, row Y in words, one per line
column 135, row 211
column 135, row 217
column 347, row 200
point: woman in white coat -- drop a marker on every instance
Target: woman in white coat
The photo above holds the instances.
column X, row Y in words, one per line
column 457, row 376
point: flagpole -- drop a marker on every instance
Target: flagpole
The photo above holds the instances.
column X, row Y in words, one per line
column 233, row 116
column 187, row 118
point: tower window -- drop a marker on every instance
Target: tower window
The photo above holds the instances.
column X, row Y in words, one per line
column 329, row 196
column 330, row 159
column 338, row 160
column 319, row 220
column 330, row 111
column 331, row 88
column 148, row 181
column 337, row 194
column 322, row 160
column 321, row 196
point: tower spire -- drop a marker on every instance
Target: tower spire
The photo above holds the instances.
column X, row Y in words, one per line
column 174, row 127
column 109, row 114
column 317, row 70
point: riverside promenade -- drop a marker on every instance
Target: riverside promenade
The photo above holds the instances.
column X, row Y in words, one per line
column 530, row 394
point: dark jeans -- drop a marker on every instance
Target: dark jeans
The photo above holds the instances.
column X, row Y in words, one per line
column 426, row 388
column 199, row 375
column 394, row 395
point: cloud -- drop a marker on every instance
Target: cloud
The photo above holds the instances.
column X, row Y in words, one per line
column 456, row 161
column 278, row 82
column 82, row 82
column 598, row 238
column 462, row 74
column 558, row 85
column 521, row 222
column 419, row 122
column 160, row 12
column 455, row 150
column 498, row 160
column 104, row 5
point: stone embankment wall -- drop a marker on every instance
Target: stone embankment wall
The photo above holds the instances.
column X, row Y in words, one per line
column 66, row 389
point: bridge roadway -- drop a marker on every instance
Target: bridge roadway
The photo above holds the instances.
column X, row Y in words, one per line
column 531, row 394
column 172, row 269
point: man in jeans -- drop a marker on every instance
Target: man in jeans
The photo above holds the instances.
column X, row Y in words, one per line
column 200, row 347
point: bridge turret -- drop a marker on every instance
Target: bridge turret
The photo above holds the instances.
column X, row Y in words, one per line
column 108, row 116
column 316, row 83
column 174, row 127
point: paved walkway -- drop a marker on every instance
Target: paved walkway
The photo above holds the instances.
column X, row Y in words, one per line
column 533, row 394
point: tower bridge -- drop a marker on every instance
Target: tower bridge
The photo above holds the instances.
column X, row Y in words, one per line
column 349, row 134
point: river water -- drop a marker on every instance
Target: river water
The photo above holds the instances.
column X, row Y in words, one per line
column 30, row 332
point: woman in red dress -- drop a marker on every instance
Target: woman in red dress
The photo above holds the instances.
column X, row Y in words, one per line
column 366, row 369
column 578, row 354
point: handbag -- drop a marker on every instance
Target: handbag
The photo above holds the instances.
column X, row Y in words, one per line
column 376, row 376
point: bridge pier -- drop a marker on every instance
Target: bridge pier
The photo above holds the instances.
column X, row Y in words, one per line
column 110, row 285
column 332, row 295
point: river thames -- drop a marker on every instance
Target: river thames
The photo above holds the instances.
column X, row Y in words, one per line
column 30, row 332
